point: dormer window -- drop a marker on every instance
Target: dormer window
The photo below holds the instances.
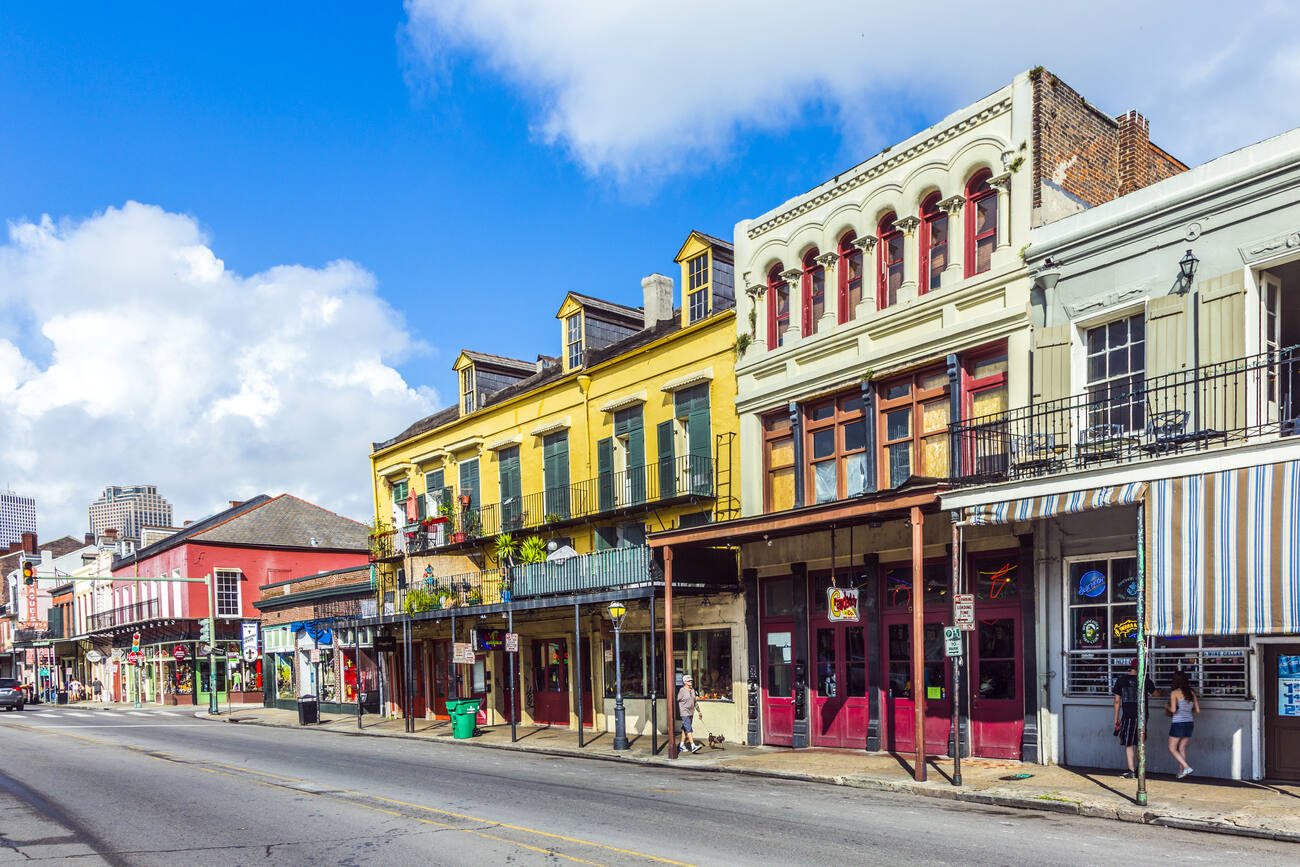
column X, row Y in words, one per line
column 467, row 391
column 573, row 340
column 697, row 288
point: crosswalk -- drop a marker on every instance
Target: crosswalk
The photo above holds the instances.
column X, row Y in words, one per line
column 102, row 713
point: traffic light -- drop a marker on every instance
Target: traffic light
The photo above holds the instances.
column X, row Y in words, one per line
column 135, row 642
column 29, row 572
column 205, row 631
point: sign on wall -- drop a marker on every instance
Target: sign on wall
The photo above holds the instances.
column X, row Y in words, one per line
column 1288, row 686
column 462, row 654
column 842, row 603
column 512, row 642
column 248, row 632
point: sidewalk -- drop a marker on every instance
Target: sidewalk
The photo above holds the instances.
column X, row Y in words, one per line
column 1222, row 806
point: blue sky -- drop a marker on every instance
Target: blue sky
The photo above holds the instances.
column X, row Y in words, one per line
column 466, row 162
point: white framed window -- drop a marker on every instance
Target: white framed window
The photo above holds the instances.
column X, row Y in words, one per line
column 573, row 340
column 227, row 591
column 697, row 290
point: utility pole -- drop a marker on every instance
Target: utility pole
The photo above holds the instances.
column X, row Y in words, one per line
column 213, row 709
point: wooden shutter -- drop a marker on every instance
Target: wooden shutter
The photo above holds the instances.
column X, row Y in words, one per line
column 667, row 486
column 469, row 481
column 510, row 488
column 1052, row 363
column 555, row 472
column 628, row 423
column 1223, row 318
column 1166, row 335
column 605, row 473
column 692, row 404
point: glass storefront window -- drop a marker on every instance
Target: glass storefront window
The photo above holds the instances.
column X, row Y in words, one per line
column 708, row 660
column 898, row 585
column 997, row 579
column 778, row 598
column 284, row 680
column 326, row 677
column 779, row 679
column 349, row 675
column 635, row 665
column 1103, row 604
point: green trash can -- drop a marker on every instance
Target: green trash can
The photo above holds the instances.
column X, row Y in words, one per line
column 464, row 717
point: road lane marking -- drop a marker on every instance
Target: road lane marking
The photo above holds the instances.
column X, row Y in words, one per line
column 137, row 713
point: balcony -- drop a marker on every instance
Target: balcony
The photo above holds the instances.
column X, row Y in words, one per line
column 26, row 636
column 682, row 479
column 1120, row 422
column 127, row 614
column 586, row 573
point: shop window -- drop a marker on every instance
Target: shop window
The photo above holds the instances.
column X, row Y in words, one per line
column 780, row 681
column 778, row 598
column 900, row 662
column 706, row 656
column 997, row 658
column 996, row 579
column 835, row 445
column 934, row 243
column 778, row 462
column 890, row 246
column 635, row 664
column 850, row 276
column 981, row 223
column 1216, row 664
column 284, row 679
column 778, row 307
column 1116, row 366
column 326, row 677
column 227, row 593
column 898, row 585
column 550, row 666
column 814, row 292
column 913, row 418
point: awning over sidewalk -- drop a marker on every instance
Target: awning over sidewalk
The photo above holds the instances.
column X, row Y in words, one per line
column 1224, row 552
column 1053, row 505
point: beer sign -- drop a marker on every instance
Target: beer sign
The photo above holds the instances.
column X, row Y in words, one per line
column 842, row 603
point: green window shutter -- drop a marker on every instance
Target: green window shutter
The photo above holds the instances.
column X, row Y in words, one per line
column 469, row 485
column 667, row 486
column 692, row 404
column 510, row 485
column 555, row 473
column 421, row 508
column 605, row 473
column 629, row 423
column 606, row 538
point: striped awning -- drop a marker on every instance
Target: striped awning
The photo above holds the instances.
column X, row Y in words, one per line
column 1224, row 552
column 1052, row 505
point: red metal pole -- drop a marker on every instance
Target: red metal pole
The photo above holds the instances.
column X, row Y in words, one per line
column 918, row 643
column 670, row 670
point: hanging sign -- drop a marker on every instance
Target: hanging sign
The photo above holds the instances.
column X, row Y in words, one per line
column 952, row 641
column 180, row 652
column 248, row 636
column 134, row 657
column 462, row 654
column 842, row 603
column 963, row 606
column 250, row 655
column 512, row 642
column 94, row 656
column 488, row 639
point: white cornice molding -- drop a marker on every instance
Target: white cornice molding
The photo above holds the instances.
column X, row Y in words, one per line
column 505, row 443
column 464, row 445
column 624, row 402
column 438, row 455
column 395, row 470
column 551, row 427
column 698, row 376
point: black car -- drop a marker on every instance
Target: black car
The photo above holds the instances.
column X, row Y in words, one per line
column 12, row 695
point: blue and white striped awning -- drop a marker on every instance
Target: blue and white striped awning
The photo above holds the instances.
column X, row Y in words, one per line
column 1053, row 505
column 1224, row 552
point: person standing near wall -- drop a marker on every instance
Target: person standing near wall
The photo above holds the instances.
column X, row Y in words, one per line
column 1125, row 690
column 1182, row 705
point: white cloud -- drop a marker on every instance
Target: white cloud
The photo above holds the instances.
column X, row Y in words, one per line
column 639, row 87
column 154, row 363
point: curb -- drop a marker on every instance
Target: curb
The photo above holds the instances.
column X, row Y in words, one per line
column 989, row 799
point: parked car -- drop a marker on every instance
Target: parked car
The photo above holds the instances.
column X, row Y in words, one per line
column 12, row 694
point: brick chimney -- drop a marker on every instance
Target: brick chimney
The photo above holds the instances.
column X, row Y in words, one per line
column 236, row 503
column 657, row 291
column 110, row 533
column 29, row 543
column 1134, row 152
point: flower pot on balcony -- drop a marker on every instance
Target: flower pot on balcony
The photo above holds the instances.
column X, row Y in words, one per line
column 457, row 538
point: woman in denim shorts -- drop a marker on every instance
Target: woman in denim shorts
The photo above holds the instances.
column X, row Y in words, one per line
column 1182, row 705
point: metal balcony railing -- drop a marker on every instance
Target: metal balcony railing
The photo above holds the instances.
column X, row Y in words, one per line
column 1134, row 419
column 584, row 573
column 647, row 485
column 147, row 609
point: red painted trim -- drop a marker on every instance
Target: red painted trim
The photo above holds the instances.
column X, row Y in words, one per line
column 846, row 249
column 886, row 232
column 930, row 214
column 977, row 190
column 774, row 284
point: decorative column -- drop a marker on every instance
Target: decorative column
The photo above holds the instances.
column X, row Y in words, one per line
column 831, row 305
column 956, row 207
column 1002, row 183
column 794, row 287
column 870, row 275
column 758, row 318
column 908, row 225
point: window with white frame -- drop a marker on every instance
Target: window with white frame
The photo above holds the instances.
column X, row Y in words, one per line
column 1116, row 367
column 573, row 340
column 227, row 593
column 697, row 290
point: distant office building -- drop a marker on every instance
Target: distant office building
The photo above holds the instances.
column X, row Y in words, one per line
column 129, row 509
column 17, row 516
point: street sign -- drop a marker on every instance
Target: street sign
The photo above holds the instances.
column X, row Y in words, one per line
column 512, row 642
column 134, row 657
column 250, row 655
column 248, row 630
column 203, row 650
column 180, row 652
column 964, row 611
column 385, row 643
column 462, row 654
column 94, row 656
column 952, row 641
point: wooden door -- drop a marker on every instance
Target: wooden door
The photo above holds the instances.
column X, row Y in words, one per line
column 778, row 684
column 551, row 682
column 444, row 679
column 900, row 704
column 839, row 690
column 997, row 712
column 1282, row 712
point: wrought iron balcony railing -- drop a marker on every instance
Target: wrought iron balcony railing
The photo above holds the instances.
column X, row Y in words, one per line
column 147, row 609
column 1134, row 419
column 652, row 484
column 584, row 573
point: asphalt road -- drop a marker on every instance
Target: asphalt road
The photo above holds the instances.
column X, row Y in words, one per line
column 160, row 787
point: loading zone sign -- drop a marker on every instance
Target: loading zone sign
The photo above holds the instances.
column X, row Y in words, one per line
column 963, row 607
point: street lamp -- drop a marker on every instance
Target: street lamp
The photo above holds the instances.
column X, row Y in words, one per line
column 617, row 611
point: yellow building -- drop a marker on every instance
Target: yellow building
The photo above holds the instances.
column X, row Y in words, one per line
column 525, row 507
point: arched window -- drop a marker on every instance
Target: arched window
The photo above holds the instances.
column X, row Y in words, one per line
column 850, row 276
column 934, row 242
column 891, row 261
column 778, row 306
column 981, row 223
column 814, row 292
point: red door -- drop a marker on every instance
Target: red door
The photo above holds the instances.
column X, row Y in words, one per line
column 900, row 704
column 778, row 684
column 839, row 688
column 444, row 679
column 997, row 712
column 551, row 682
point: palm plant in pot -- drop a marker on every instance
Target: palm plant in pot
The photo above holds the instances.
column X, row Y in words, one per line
column 506, row 549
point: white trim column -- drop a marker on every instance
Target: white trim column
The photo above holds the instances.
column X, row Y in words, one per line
column 1002, row 183
column 908, row 225
column 870, row 275
column 794, row 287
column 755, row 294
column 831, row 306
column 956, row 207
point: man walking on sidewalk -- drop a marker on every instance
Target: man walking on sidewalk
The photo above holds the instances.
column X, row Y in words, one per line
column 687, row 709
column 1125, row 690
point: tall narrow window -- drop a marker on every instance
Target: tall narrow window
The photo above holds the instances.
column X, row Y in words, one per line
column 814, row 292
column 467, row 390
column 981, row 223
column 850, row 277
column 573, row 340
column 227, row 593
column 778, row 462
column 778, row 307
column 934, row 242
column 1116, row 369
column 891, row 261
column 986, row 402
column 835, row 442
column 697, row 291
column 914, row 414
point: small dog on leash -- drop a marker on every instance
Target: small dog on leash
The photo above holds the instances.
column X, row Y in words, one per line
column 715, row 741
